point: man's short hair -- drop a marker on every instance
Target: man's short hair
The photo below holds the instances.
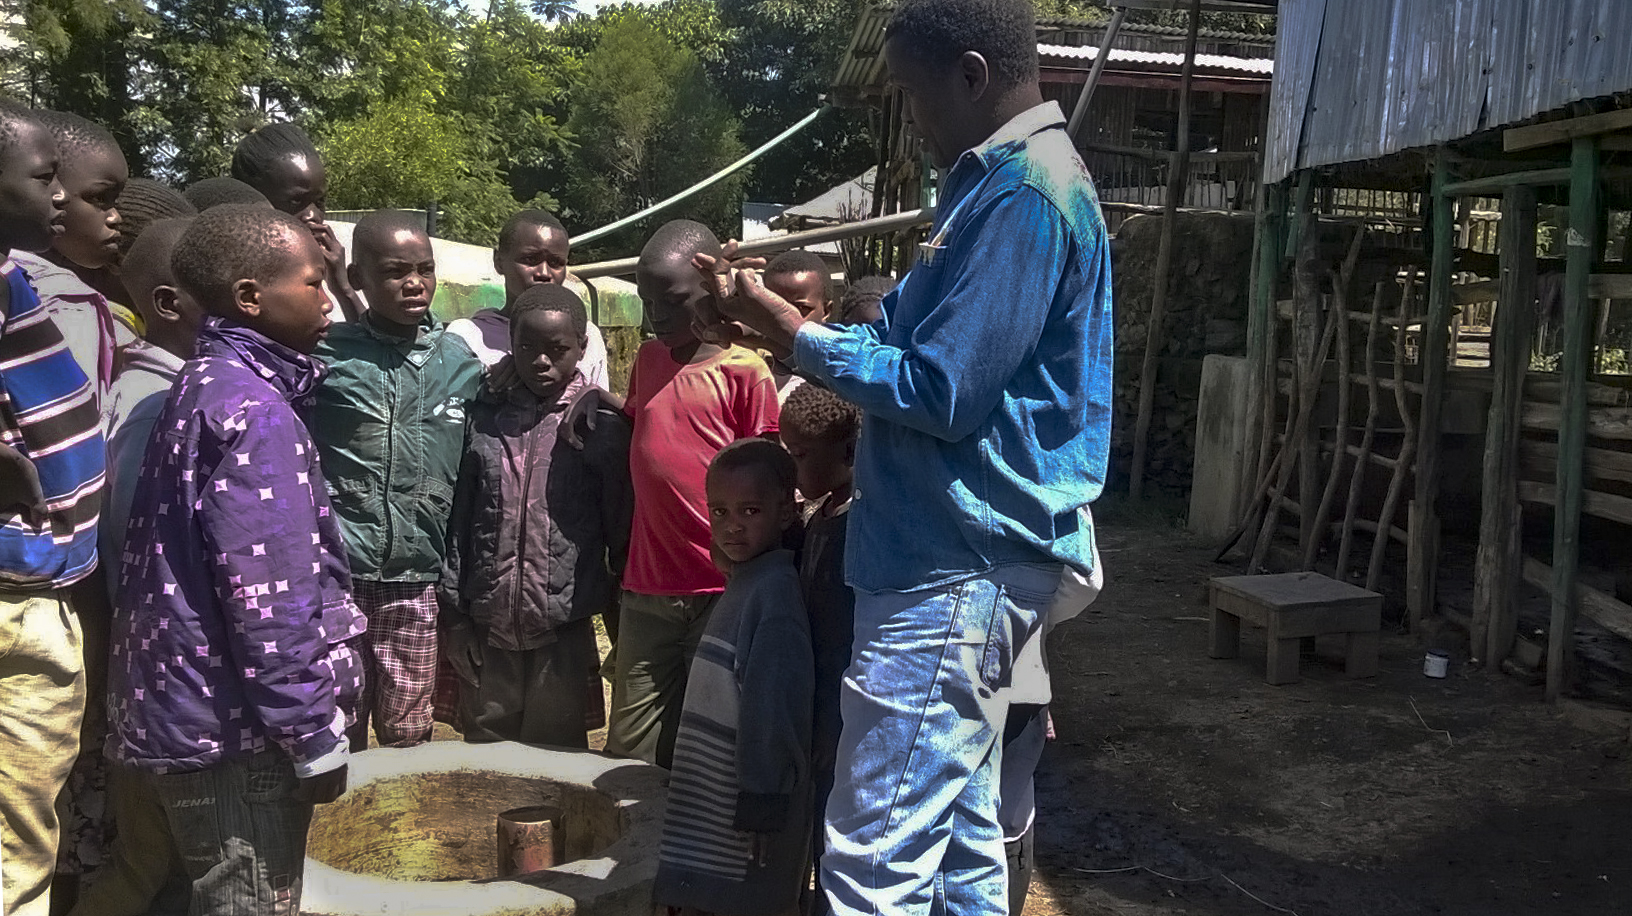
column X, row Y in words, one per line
column 76, row 136
column 229, row 243
column 677, row 239
column 528, row 219
column 213, row 192
column 257, row 153
column 938, row 32
column 771, row 461
column 144, row 202
column 377, row 227
column 817, row 413
column 14, row 117
column 549, row 297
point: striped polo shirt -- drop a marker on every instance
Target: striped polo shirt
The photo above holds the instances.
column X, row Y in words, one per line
column 48, row 412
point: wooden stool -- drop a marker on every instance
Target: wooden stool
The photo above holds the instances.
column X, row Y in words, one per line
column 1294, row 607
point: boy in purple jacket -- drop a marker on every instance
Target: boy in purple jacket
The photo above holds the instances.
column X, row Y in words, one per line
column 231, row 680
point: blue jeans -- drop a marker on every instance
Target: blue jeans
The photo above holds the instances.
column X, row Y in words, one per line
column 912, row 824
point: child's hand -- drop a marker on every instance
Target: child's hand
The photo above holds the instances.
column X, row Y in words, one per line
column 464, row 648
column 334, row 253
column 583, row 407
column 502, row 375
column 20, row 487
column 322, row 788
column 759, row 848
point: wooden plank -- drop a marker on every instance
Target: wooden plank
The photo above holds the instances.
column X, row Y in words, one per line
column 1611, row 506
column 1581, row 250
column 1494, row 185
column 1604, row 610
column 1599, row 286
column 1155, row 335
column 1534, row 136
column 1395, row 532
column 1602, row 464
column 1600, row 422
column 1433, row 356
column 1494, row 623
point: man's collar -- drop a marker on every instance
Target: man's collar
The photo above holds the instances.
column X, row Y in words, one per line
column 1018, row 130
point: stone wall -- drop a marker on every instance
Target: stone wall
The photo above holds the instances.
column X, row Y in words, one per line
column 1206, row 313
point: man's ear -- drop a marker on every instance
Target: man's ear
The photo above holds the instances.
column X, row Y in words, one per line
column 246, row 298
column 354, row 275
column 166, row 303
column 498, row 265
column 976, row 74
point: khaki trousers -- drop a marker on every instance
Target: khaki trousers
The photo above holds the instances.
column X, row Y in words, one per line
column 42, row 702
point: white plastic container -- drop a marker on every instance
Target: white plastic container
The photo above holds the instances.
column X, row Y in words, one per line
column 1436, row 664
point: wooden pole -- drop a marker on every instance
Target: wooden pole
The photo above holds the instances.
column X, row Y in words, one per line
column 1423, row 554
column 1315, row 534
column 1496, row 566
column 1307, row 387
column 1177, row 175
column 1362, row 461
column 1080, row 110
column 1408, row 443
column 1581, row 250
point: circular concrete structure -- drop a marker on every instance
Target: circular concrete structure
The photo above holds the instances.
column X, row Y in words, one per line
column 415, row 834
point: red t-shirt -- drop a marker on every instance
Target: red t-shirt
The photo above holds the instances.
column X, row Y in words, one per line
column 684, row 414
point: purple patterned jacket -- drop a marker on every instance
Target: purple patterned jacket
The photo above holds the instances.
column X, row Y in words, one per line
column 234, row 604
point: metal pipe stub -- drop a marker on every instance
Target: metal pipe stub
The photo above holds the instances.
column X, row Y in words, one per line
column 529, row 839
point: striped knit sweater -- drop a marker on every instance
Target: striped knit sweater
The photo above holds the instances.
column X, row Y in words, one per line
column 742, row 754
column 49, row 413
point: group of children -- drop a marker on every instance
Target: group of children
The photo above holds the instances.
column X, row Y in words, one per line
column 301, row 521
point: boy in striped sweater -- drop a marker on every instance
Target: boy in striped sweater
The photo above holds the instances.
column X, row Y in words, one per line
column 52, row 464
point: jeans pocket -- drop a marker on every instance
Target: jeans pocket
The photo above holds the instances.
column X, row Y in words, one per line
column 1015, row 615
column 270, row 778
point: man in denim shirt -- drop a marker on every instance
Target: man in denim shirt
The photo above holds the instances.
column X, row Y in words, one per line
column 987, row 393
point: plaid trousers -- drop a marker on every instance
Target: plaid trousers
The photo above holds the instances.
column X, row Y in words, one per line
column 399, row 652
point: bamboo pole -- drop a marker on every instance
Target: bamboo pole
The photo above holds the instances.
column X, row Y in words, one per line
column 1581, row 250
column 1367, row 437
column 1178, row 173
column 1496, row 565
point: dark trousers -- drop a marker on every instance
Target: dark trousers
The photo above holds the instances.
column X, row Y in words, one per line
column 537, row 696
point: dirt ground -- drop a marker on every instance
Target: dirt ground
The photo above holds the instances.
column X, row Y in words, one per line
column 1183, row 784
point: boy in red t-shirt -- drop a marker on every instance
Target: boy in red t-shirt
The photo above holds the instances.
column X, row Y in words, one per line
column 688, row 400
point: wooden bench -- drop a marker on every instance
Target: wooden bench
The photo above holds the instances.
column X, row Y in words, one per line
column 1294, row 607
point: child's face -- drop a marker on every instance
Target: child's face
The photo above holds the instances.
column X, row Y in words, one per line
column 31, row 195
column 824, row 465
column 298, row 185
column 290, row 306
column 536, row 254
column 746, row 514
column 866, row 312
column 93, row 181
column 399, row 277
column 805, row 290
column 546, row 349
column 670, row 290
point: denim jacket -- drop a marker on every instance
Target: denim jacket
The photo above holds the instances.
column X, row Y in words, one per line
column 390, row 424
column 987, row 388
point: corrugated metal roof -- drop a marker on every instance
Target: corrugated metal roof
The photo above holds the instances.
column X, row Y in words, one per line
column 1260, row 65
column 1361, row 79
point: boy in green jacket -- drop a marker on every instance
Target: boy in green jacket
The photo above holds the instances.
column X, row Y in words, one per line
column 390, row 426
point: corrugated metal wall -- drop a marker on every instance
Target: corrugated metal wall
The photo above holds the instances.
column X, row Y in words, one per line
column 1360, row 79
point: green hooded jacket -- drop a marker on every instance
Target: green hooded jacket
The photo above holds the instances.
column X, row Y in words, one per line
column 390, row 428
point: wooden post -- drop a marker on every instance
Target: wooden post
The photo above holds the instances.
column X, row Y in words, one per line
column 1362, row 460
column 1581, row 250
column 1496, row 567
column 1422, row 553
column 1080, row 110
column 1177, row 176
column 1315, row 534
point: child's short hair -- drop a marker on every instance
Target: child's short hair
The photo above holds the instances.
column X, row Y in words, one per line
column 799, row 261
column 144, row 202
column 14, row 116
column 680, row 238
column 548, row 297
column 817, row 413
column 543, row 219
column 762, row 455
column 267, row 146
column 862, row 293
column 213, row 192
column 229, row 243
column 375, row 228
column 75, row 135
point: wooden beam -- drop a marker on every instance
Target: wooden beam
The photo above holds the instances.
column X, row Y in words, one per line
column 1433, row 356
column 1494, row 623
column 1601, row 464
column 1604, row 610
column 1533, row 136
column 1493, row 185
column 1600, row 423
column 1155, row 334
column 1581, row 250
column 1608, row 506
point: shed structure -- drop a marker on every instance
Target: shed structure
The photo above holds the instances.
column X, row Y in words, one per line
column 1423, row 387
